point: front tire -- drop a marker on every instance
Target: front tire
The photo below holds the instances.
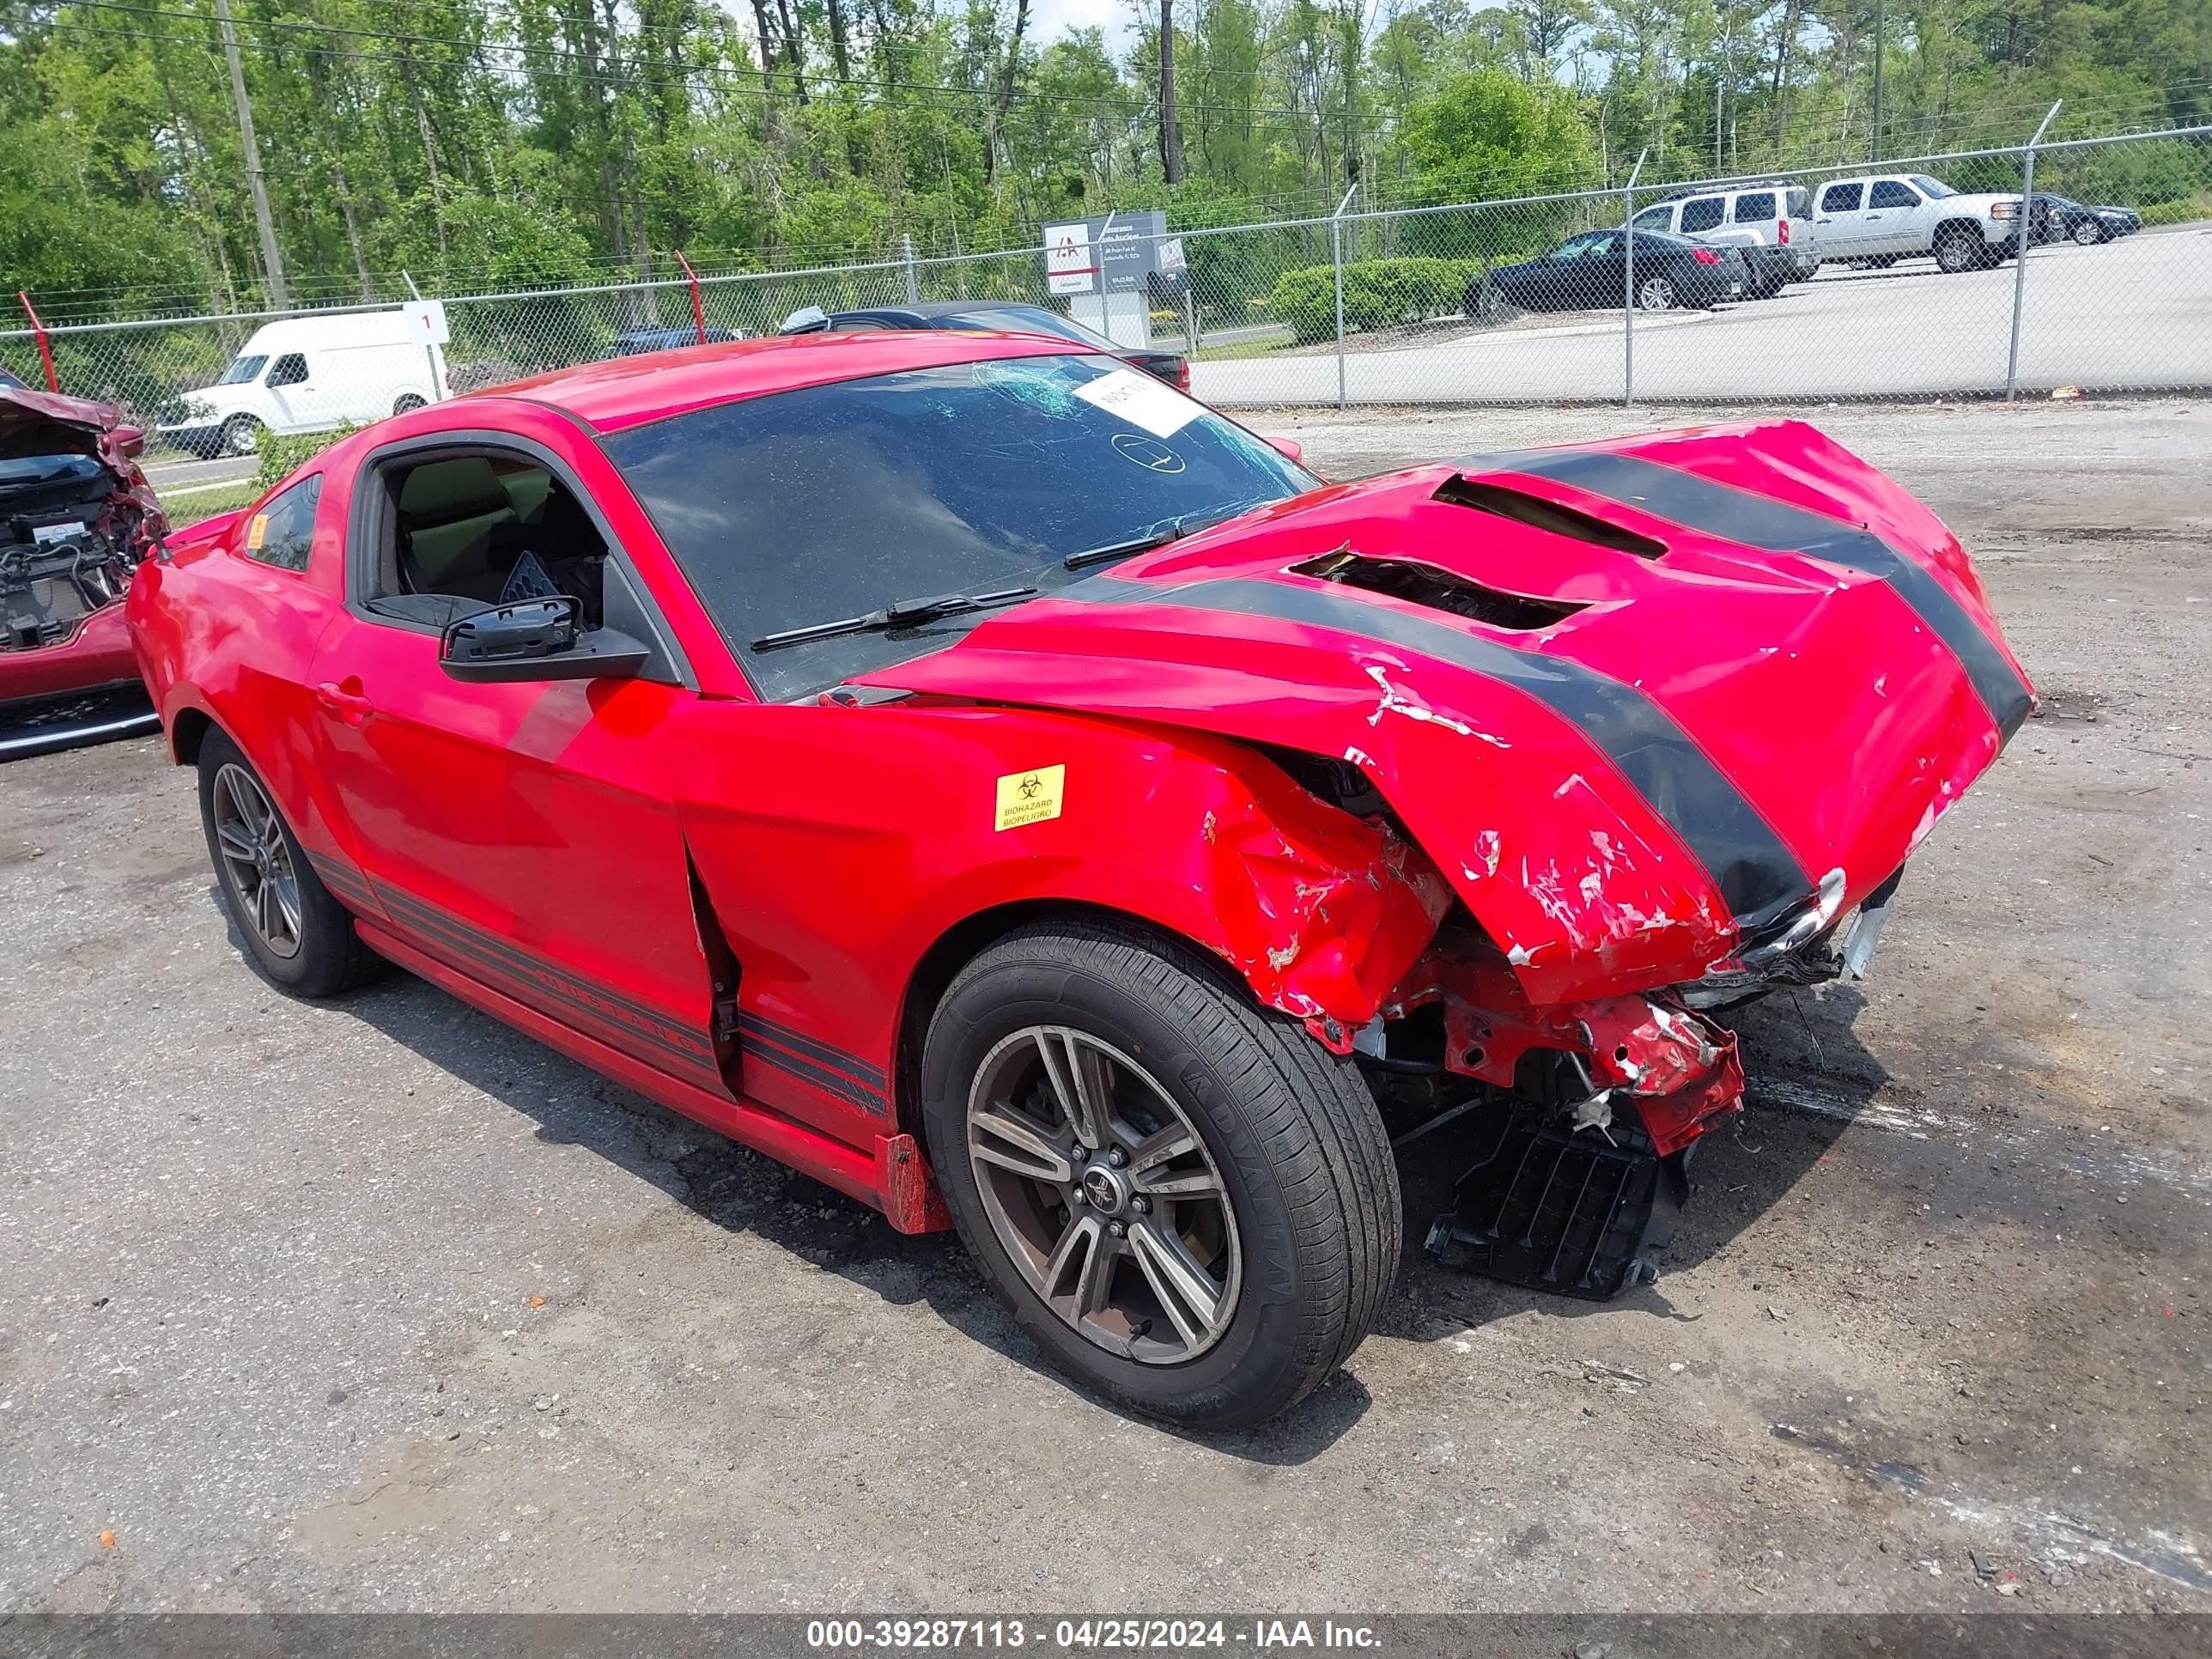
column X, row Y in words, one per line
column 2088, row 233
column 1187, row 1202
column 1960, row 250
column 407, row 402
column 241, row 435
column 297, row 936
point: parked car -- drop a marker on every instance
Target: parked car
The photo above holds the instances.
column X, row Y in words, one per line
column 638, row 341
column 969, row 771
column 77, row 518
column 1769, row 219
column 1008, row 316
column 2058, row 218
column 307, row 374
column 1589, row 272
column 1877, row 219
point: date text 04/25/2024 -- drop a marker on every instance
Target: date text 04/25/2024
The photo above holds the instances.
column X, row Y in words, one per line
column 1072, row 1635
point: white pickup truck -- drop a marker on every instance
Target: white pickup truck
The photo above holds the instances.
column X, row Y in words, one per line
column 1878, row 219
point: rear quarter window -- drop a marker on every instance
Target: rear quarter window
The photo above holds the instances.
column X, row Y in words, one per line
column 282, row 533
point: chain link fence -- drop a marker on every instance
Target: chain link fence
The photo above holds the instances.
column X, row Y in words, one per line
column 1897, row 281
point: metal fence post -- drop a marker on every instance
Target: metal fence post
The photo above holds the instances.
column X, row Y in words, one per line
column 1336, row 256
column 913, row 280
column 1628, row 289
column 2026, row 239
column 39, row 332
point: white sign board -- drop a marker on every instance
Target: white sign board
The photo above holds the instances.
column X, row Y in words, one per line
column 1069, row 265
column 1171, row 254
column 426, row 322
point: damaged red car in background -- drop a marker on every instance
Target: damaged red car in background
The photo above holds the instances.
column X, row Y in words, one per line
column 77, row 519
column 987, row 780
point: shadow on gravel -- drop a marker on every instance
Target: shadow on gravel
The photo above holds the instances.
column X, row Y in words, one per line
column 745, row 1191
column 1802, row 1057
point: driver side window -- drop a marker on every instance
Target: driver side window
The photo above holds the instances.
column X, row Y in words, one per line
column 462, row 533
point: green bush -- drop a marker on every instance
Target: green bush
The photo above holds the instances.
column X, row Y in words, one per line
column 278, row 456
column 2177, row 212
column 1377, row 294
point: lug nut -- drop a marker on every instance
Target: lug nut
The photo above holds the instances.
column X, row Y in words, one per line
column 1079, row 1196
column 1117, row 1158
column 1119, row 1229
column 1081, row 1154
column 1141, row 1205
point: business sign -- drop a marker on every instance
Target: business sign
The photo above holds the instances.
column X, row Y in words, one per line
column 1069, row 267
column 1171, row 256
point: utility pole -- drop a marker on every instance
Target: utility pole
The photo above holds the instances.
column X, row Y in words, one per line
column 280, row 296
column 1875, row 136
column 1170, row 128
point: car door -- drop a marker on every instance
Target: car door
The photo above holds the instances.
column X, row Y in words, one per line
column 1895, row 223
column 1839, row 226
column 292, row 394
column 1600, row 274
column 523, row 834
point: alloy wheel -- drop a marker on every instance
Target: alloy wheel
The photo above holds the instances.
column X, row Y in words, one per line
column 2088, row 233
column 257, row 861
column 1655, row 294
column 1104, row 1194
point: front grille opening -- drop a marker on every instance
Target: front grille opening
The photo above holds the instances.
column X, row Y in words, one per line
column 1540, row 514
column 1439, row 590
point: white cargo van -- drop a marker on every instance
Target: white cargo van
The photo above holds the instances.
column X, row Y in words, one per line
column 308, row 374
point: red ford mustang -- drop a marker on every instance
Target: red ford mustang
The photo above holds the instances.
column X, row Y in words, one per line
column 983, row 778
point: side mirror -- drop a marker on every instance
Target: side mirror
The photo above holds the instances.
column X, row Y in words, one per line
column 1290, row 449
column 807, row 319
column 536, row 640
column 130, row 442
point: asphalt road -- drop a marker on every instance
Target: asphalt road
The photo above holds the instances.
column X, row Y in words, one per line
column 375, row 1304
column 2131, row 315
column 177, row 477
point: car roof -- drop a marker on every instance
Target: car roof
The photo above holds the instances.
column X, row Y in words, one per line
column 621, row 392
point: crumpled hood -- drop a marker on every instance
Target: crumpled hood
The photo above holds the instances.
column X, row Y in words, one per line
column 1644, row 703
column 47, row 423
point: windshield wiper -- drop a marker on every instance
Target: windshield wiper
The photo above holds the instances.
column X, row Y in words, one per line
column 899, row 613
column 1166, row 531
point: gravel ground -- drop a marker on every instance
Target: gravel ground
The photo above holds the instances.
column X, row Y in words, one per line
column 375, row 1304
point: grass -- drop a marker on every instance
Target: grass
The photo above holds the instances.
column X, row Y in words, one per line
column 205, row 504
column 1237, row 351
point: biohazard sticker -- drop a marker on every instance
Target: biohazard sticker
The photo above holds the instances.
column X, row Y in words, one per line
column 257, row 532
column 1031, row 797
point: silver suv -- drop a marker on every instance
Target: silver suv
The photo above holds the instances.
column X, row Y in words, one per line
column 1768, row 218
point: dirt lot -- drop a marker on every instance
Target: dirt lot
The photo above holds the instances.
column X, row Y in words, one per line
column 376, row 1304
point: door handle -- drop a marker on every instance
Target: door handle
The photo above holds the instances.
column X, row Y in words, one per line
column 348, row 706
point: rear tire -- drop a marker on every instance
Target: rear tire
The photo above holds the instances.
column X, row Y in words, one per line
column 1289, row 1211
column 1656, row 293
column 407, row 402
column 2088, row 233
column 295, row 934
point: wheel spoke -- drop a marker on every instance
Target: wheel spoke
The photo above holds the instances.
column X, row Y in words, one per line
column 1151, row 1165
column 236, row 841
column 1087, row 1255
column 1004, row 1138
column 1186, row 1291
column 288, row 909
column 1077, row 1076
column 264, row 908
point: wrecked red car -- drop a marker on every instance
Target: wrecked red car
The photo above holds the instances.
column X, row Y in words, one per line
column 990, row 782
column 77, row 519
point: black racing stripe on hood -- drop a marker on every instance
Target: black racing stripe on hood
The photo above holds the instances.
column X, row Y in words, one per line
column 1739, row 515
column 1755, row 873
